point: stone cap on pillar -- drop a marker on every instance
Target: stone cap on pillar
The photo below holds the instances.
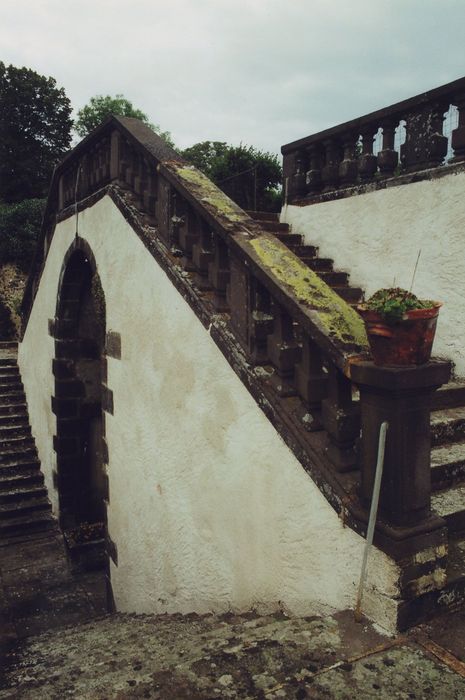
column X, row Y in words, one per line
column 396, row 378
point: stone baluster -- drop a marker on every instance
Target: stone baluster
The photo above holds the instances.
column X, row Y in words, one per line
column 140, row 180
column 367, row 162
column 458, row 134
column 188, row 236
column 425, row 145
column 260, row 322
column 330, row 170
column 311, row 380
column 202, row 255
column 238, row 294
column 313, row 175
column 298, row 186
column 150, row 191
column 218, row 273
column 163, row 210
column 348, row 169
column 388, row 156
column 402, row 397
column 341, row 420
column 115, row 155
column 283, row 349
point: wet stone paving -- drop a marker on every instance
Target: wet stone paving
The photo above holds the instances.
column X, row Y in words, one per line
column 58, row 642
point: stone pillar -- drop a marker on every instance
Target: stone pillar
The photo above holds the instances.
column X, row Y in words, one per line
column 402, row 397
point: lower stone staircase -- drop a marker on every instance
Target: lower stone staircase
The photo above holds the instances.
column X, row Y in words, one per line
column 447, row 431
column 24, row 504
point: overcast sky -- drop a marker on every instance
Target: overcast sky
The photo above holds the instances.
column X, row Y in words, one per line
column 260, row 72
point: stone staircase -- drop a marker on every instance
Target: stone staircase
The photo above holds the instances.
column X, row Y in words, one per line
column 447, row 420
column 324, row 267
column 24, row 504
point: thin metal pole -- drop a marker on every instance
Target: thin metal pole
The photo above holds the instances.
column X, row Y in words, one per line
column 372, row 519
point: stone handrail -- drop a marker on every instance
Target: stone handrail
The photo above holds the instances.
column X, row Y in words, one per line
column 343, row 156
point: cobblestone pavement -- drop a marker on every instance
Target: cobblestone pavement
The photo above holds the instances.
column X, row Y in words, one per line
column 86, row 654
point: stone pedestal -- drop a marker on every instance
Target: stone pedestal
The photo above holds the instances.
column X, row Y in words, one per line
column 402, row 397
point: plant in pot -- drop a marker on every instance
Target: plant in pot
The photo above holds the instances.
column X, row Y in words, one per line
column 400, row 326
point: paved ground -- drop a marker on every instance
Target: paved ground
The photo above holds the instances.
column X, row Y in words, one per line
column 89, row 655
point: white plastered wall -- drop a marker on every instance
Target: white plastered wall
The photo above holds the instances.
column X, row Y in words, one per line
column 209, row 509
column 377, row 236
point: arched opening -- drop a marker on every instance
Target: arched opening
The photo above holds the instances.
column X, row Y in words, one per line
column 80, row 369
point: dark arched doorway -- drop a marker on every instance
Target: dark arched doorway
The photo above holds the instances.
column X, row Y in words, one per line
column 79, row 369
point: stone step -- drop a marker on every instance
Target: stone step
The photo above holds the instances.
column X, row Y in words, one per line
column 16, row 396
column 11, row 457
column 14, row 419
column 22, row 492
column 16, row 445
column 451, row 395
column 36, row 521
column 15, row 407
column 302, row 251
column 22, row 507
column 11, row 387
column 263, row 215
column 19, row 466
column 334, row 278
column 289, row 238
column 14, row 431
column 318, row 264
column 9, row 371
column 448, row 425
column 447, row 465
column 28, row 477
column 8, row 379
column 275, row 226
column 8, row 361
column 450, row 505
column 352, row 295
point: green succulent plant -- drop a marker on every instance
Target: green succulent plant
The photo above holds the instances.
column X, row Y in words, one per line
column 392, row 303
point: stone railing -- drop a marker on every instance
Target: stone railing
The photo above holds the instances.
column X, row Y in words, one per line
column 343, row 156
column 281, row 318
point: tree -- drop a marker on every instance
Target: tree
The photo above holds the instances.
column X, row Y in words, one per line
column 252, row 178
column 102, row 106
column 19, row 230
column 35, row 132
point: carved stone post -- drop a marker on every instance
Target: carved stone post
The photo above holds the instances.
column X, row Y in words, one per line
column 425, row 146
column 388, row 157
column 341, row 420
column 260, row 322
column 330, row 170
column 402, row 397
column 348, row 169
column 218, row 272
column 202, row 255
column 367, row 163
column 298, row 180
column 458, row 135
column 313, row 175
column 283, row 349
column 310, row 379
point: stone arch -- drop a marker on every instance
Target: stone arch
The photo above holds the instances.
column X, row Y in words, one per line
column 79, row 369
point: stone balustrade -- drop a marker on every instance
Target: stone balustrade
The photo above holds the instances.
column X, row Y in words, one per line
column 343, row 156
column 289, row 323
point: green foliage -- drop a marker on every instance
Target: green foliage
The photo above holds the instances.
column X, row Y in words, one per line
column 392, row 303
column 101, row 107
column 252, row 178
column 19, row 230
column 35, row 132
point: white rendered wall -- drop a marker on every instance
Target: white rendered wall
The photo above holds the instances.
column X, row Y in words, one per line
column 209, row 509
column 376, row 237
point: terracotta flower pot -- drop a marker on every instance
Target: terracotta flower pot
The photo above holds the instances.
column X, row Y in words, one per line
column 408, row 341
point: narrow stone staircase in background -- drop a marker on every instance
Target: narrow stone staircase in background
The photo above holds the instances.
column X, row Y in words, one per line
column 308, row 254
column 24, row 504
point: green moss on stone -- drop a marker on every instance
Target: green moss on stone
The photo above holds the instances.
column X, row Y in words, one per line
column 339, row 320
column 210, row 193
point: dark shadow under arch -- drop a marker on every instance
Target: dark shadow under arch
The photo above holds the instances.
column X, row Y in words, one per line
column 79, row 368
